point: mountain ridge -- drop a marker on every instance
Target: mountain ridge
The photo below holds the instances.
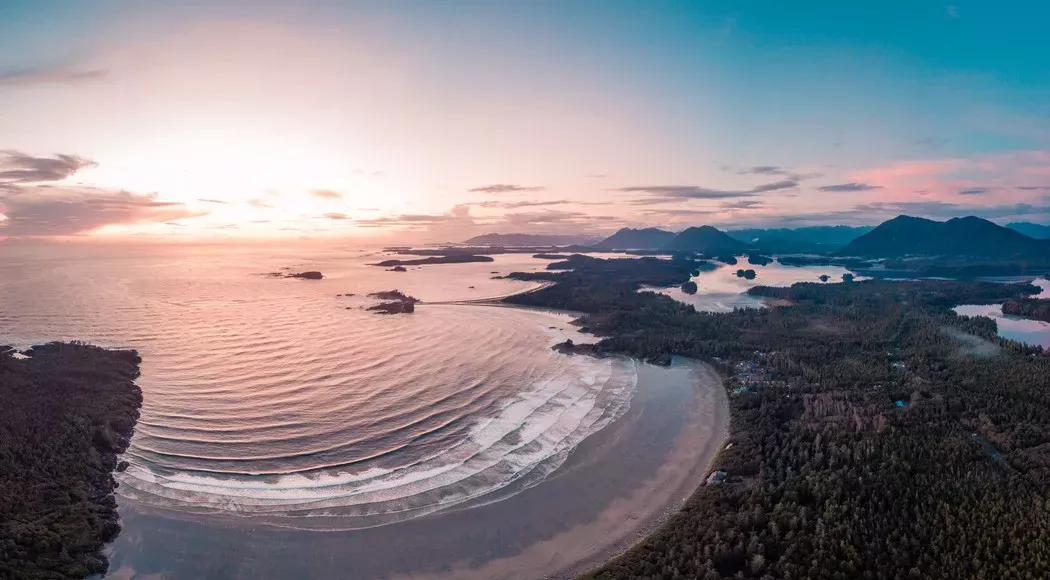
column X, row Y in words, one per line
column 962, row 236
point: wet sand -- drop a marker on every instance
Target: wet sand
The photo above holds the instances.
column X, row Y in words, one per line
column 613, row 489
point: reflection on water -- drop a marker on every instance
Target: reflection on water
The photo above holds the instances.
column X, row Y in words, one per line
column 278, row 400
column 721, row 290
column 1034, row 332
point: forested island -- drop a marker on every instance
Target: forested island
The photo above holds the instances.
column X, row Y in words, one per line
column 875, row 433
column 67, row 411
column 1033, row 308
column 447, row 259
column 397, row 302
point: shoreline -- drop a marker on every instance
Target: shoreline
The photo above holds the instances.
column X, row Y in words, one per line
column 490, row 300
column 619, row 528
column 614, row 489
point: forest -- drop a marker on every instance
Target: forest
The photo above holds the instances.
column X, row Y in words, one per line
column 886, row 437
column 68, row 410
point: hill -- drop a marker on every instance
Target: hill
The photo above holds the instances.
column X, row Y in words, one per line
column 706, row 240
column 967, row 236
column 813, row 239
column 632, row 239
column 529, row 240
column 1037, row 231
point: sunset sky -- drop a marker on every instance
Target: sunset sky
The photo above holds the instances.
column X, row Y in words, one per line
column 434, row 121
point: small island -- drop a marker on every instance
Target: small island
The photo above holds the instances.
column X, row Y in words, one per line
column 824, row 277
column 397, row 302
column 759, row 260
column 748, row 274
column 308, row 275
column 689, row 287
column 448, row 259
column 1033, row 308
column 545, row 256
column 68, row 412
column 397, row 269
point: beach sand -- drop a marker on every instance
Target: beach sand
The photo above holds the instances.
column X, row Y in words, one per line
column 612, row 490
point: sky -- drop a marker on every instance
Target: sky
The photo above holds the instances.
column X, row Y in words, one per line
column 435, row 121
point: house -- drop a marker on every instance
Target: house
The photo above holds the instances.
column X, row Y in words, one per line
column 716, row 477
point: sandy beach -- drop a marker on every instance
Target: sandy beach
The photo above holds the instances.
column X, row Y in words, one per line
column 612, row 490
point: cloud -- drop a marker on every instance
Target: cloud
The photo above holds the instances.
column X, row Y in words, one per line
column 743, row 204
column 206, row 200
column 53, row 76
column 520, row 204
column 326, row 194
column 943, row 210
column 336, row 216
column 552, row 218
column 764, row 170
column 680, row 212
column 952, row 10
column 927, row 143
column 847, row 187
column 975, row 191
column 1034, row 187
column 18, row 167
column 410, row 220
column 50, row 211
column 503, row 188
column 259, row 204
column 667, row 193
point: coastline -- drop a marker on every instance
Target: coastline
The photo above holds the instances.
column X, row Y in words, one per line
column 630, row 520
column 618, row 486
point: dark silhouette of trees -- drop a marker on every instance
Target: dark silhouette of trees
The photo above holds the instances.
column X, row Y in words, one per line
column 892, row 439
column 65, row 414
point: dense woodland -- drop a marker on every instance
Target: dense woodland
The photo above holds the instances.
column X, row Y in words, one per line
column 828, row 475
column 66, row 412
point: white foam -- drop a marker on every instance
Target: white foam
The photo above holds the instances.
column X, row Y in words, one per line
column 549, row 418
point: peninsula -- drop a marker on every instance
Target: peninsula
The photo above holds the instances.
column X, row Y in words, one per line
column 68, row 411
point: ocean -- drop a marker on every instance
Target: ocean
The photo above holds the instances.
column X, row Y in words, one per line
column 285, row 402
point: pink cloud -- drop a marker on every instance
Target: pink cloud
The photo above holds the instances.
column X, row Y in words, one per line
column 984, row 180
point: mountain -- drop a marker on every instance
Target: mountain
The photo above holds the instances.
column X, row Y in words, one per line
column 806, row 240
column 632, row 239
column 1037, row 231
column 529, row 240
column 967, row 236
column 706, row 240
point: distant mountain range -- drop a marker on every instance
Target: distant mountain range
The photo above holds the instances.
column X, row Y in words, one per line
column 632, row 239
column 706, row 240
column 970, row 237
column 530, row 240
column 1037, row 231
column 805, row 240
column 967, row 236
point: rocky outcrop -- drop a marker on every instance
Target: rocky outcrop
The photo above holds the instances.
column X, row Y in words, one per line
column 393, row 295
column 569, row 347
column 308, row 275
column 394, row 307
column 397, row 302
